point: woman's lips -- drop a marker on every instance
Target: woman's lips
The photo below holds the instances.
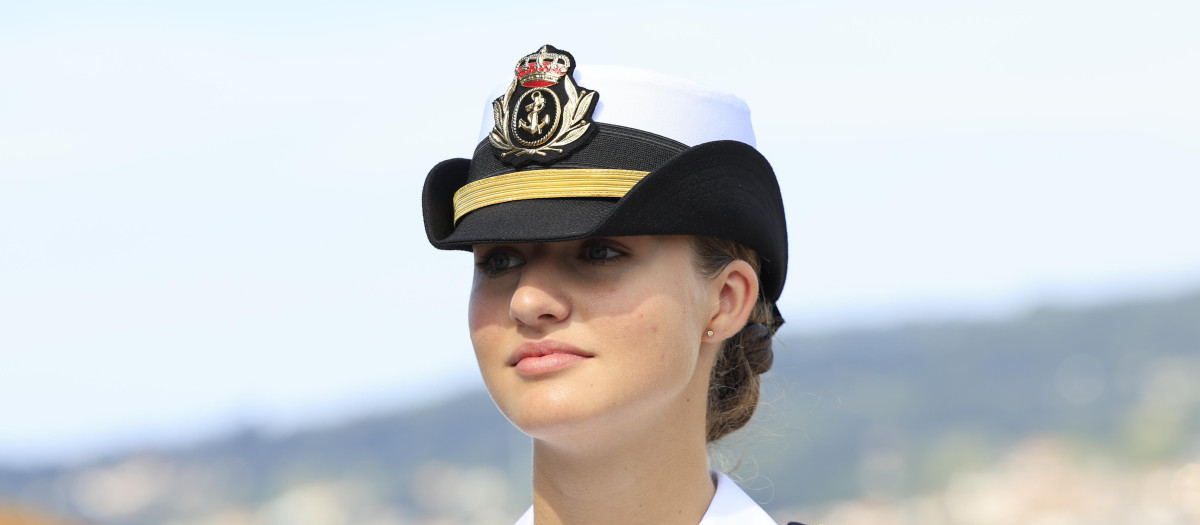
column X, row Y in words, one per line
column 544, row 357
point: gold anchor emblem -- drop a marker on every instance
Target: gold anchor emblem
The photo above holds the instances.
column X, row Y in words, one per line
column 533, row 125
column 543, row 114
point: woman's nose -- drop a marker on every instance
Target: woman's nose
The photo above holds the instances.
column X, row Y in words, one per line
column 540, row 297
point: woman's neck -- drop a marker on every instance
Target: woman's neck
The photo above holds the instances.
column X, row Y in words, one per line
column 657, row 475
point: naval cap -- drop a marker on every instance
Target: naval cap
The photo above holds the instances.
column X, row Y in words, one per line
column 567, row 154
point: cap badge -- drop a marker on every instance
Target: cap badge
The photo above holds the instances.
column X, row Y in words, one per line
column 544, row 114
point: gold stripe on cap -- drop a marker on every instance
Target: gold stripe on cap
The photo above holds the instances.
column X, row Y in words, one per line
column 543, row 184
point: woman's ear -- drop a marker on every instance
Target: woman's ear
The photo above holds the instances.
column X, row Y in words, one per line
column 737, row 293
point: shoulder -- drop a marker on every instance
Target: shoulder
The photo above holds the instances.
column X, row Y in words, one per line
column 527, row 518
column 732, row 506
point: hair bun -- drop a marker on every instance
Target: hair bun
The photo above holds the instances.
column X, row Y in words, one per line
column 756, row 341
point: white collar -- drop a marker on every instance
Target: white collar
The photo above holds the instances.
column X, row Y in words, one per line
column 730, row 506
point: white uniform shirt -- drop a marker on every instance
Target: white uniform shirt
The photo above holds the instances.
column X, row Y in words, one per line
column 729, row 506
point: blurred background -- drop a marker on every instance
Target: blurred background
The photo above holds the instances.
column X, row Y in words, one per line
column 217, row 304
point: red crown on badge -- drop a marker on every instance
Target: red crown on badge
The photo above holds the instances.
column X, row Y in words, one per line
column 543, row 68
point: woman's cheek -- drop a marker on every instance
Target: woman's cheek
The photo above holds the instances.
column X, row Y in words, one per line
column 484, row 318
column 485, row 303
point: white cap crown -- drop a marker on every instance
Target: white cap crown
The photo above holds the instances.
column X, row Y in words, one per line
column 672, row 107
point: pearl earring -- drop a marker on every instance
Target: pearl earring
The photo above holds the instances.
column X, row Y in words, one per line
column 709, row 333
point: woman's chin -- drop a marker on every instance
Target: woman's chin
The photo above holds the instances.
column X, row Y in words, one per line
column 553, row 413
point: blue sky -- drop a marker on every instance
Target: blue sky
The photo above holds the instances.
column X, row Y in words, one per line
column 209, row 212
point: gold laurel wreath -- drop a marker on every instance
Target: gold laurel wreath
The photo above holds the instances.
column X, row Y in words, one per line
column 574, row 127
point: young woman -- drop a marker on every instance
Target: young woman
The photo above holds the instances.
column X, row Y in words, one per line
column 629, row 245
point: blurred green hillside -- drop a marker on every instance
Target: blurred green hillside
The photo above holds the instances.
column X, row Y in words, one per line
column 897, row 412
column 874, row 415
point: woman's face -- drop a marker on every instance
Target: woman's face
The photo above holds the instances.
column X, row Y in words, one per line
column 592, row 335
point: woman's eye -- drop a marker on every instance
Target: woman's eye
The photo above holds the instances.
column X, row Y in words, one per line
column 499, row 262
column 600, row 253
